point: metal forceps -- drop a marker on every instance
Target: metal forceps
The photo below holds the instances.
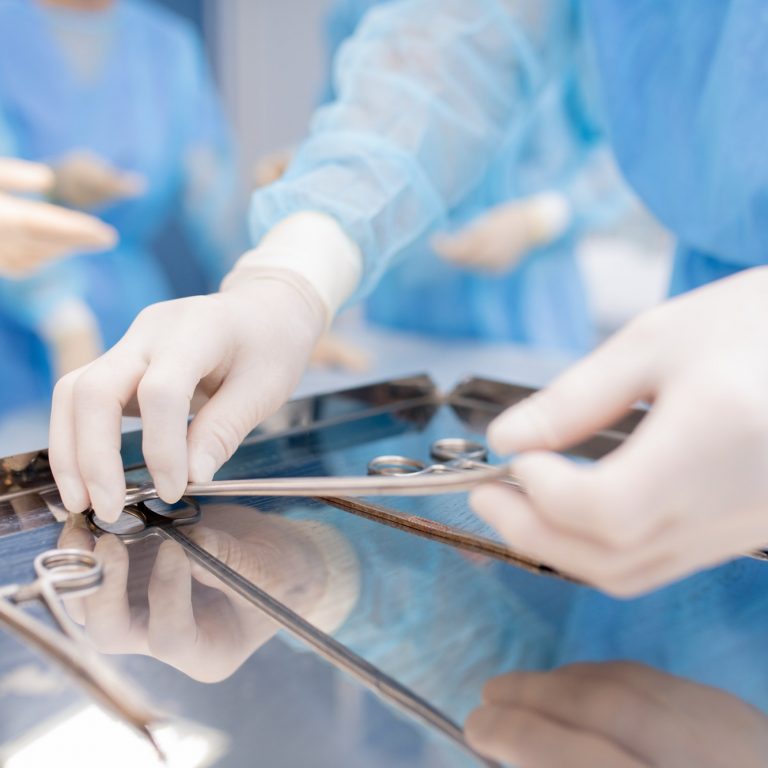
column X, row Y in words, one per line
column 451, row 454
column 72, row 572
column 138, row 522
column 413, row 479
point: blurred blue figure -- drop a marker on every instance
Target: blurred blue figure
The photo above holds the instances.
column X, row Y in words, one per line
column 690, row 141
column 556, row 146
column 120, row 102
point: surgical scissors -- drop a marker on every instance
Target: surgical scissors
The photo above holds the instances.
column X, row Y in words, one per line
column 453, row 454
column 139, row 521
column 70, row 573
column 414, row 478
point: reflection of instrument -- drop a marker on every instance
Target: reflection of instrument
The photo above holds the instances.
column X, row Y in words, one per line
column 71, row 573
column 454, row 477
column 139, row 522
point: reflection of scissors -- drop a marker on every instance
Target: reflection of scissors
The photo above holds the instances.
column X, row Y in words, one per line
column 455, row 454
column 138, row 522
column 71, row 573
column 463, row 469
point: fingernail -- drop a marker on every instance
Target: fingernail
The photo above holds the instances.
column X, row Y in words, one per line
column 73, row 495
column 202, row 468
column 169, row 489
column 105, row 504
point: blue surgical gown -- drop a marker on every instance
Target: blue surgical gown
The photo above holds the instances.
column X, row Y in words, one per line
column 150, row 108
column 427, row 89
column 552, row 142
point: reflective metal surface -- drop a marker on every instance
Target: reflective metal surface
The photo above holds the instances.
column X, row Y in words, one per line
column 676, row 677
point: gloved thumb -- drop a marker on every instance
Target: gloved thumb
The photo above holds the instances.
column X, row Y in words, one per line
column 24, row 177
column 590, row 396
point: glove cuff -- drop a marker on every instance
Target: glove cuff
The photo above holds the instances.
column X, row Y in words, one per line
column 314, row 246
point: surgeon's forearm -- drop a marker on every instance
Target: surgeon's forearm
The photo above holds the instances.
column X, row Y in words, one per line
column 426, row 92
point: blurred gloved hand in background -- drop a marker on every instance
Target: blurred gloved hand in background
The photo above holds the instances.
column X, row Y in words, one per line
column 498, row 240
column 33, row 233
column 84, row 180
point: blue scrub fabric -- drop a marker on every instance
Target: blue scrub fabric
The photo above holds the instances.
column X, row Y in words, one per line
column 430, row 167
column 149, row 108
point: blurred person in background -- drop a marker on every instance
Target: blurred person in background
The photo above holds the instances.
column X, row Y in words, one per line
column 116, row 97
column 507, row 271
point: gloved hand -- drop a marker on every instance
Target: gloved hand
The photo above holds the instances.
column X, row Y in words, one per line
column 242, row 350
column 331, row 351
column 33, row 233
column 271, row 167
column 498, row 240
column 156, row 602
column 687, row 490
column 619, row 714
column 85, row 180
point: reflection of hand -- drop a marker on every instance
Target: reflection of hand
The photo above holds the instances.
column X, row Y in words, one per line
column 33, row 233
column 331, row 351
column 689, row 487
column 85, row 180
column 498, row 240
column 620, row 714
column 176, row 611
column 244, row 348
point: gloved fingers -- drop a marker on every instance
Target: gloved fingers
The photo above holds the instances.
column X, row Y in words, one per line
column 601, row 501
column 62, row 445
column 610, row 568
column 49, row 227
column 99, row 394
column 164, row 396
column 533, row 740
column 621, row 501
column 107, row 184
column 22, row 176
column 590, row 396
column 225, row 420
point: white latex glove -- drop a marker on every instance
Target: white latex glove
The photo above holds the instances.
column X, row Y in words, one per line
column 689, row 489
column 33, row 233
column 498, row 240
column 85, row 180
column 243, row 348
column 150, row 601
column 619, row 714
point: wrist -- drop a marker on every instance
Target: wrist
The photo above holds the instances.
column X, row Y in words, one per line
column 245, row 281
column 314, row 247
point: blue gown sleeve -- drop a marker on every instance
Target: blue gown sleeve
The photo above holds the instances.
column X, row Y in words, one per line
column 213, row 199
column 426, row 91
